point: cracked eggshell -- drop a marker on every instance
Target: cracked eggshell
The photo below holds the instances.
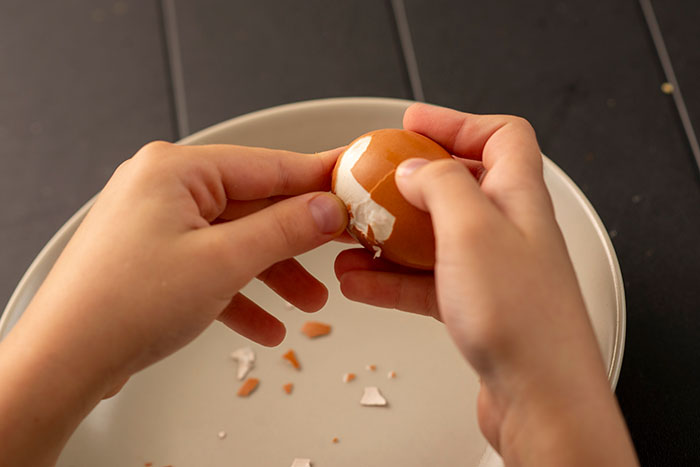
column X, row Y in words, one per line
column 372, row 397
column 245, row 358
column 380, row 218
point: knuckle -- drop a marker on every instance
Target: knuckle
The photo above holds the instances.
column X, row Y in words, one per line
column 154, row 150
column 151, row 158
column 520, row 123
column 123, row 167
column 283, row 177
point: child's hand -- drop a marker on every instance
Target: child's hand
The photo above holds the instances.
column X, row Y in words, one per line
column 147, row 271
column 170, row 241
column 503, row 285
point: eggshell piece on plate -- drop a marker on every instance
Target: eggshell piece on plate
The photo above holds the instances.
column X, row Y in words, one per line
column 291, row 357
column 248, row 387
column 380, row 218
column 372, row 397
column 245, row 358
column 314, row 329
column 301, row 463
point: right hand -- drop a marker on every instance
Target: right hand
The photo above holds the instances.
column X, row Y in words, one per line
column 503, row 282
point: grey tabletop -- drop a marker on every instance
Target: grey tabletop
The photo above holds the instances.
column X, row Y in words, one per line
column 85, row 83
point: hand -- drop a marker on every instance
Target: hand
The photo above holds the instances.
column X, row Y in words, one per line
column 504, row 286
column 164, row 251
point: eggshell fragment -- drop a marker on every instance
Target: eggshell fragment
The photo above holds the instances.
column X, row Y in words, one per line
column 380, row 218
column 245, row 358
column 314, row 329
column 301, row 463
column 372, row 397
column 248, row 387
column 291, row 357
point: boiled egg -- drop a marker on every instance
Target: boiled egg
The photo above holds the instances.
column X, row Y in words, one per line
column 380, row 218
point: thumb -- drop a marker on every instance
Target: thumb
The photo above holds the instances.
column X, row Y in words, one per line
column 448, row 191
column 288, row 228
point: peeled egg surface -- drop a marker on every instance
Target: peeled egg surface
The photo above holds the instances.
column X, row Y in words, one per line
column 380, row 218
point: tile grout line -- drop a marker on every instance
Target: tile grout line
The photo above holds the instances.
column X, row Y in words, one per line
column 167, row 70
column 664, row 57
column 409, row 52
column 176, row 69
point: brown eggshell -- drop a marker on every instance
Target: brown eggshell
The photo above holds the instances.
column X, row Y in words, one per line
column 412, row 242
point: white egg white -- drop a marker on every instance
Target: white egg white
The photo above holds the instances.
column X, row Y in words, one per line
column 365, row 211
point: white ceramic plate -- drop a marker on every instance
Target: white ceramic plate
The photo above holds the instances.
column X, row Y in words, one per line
column 171, row 413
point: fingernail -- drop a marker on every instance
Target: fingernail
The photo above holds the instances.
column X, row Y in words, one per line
column 409, row 166
column 328, row 213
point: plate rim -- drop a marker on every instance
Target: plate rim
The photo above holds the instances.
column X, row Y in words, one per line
column 618, row 284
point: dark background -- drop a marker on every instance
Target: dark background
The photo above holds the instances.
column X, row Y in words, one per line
column 85, row 83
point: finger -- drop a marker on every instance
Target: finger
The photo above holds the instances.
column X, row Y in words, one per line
column 461, row 214
column 345, row 237
column 427, row 184
column 507, row 145
column 500, row 141
column 291, row 281
column 254, row 173
column 469, row 135
column 453, row 198
column 248, row 319
column 235, row 209
column 286, row 229
column 412, row 293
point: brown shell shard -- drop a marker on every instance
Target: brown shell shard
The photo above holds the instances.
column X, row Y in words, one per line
column 248, row 387
column 315, row 329
column 291, row 357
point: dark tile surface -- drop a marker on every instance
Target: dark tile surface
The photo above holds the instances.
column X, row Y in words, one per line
column 588, row 78
column 678, row 21
column 243, row 56
column 83, row 85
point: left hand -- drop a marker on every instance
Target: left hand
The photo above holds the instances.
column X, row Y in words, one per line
column 164, row 251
